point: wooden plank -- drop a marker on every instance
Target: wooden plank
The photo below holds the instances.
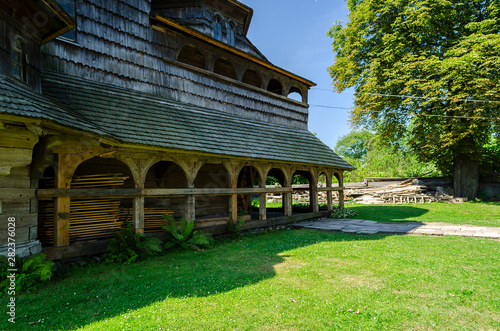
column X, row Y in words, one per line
column 21, row 219
column 16, row 193
column 13, row 157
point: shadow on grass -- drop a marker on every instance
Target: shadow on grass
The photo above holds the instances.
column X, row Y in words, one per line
column 97, row 293
column 389, row 213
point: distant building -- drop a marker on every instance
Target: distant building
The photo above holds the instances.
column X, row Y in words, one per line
column 114, row 110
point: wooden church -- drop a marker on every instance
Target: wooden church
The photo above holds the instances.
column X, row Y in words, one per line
column 127, row 109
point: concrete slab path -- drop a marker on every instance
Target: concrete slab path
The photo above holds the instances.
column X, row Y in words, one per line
column 418, row 228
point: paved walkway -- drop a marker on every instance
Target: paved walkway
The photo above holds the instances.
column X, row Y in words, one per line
column 372, row 227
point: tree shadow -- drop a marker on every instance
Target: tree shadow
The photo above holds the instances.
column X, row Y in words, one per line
column 101, row 292
column 390, row 213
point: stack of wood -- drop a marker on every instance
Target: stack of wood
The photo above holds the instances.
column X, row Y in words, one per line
column 89, row 218
column 393, row 194
column 153, row 221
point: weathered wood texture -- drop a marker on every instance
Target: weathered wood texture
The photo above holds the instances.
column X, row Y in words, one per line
column 116, row 45
column 32, row 50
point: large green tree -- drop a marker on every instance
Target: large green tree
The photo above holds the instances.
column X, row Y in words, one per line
column 428, row 70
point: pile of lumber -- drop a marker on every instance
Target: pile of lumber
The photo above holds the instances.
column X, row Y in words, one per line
column 153, row 221
column 393, row 194
column 89, row 218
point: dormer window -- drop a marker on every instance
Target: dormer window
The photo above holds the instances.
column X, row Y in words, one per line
column 69, row 7
column 230, row 34
column 18, row 58
column 217, row 27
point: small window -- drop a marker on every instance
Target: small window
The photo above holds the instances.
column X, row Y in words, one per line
column 69, row 7
column 230, row 34
column 18, row 59
column 217, row 27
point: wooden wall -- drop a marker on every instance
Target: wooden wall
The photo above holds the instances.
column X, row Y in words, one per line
column 117, row 45
column 33, row 60
column 17, row 194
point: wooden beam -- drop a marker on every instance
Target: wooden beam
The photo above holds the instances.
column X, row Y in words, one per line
column 16, row 193
column 44, row 194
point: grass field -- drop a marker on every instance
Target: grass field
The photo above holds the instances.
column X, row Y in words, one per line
column 285, row 280
column 475, row 213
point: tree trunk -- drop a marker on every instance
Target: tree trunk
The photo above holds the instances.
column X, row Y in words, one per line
column 466, row 176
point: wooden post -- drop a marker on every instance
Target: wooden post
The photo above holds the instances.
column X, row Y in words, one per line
column 139, row 214
column 341, row 192
column 262, row 206
column 190, row 211
column 313, row 194
column 329, row 195
column 63, row 174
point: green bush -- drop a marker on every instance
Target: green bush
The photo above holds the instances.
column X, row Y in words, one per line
column 181, row 234
column 127, row 246
column 343, row 213
column 31, row 272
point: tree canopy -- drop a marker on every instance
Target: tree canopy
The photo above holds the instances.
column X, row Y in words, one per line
column 426, row 69
column 371, row 158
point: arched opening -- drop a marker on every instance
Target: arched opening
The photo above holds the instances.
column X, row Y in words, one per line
column 212, row 206
column 217, row 27
column 90, row 218
column 275, row 86
column 164, row 174
column 18, row 58
column 301, row 197
column 248, row 178
column 296, row 94
column 231, row 34
column 275, row 201
column 223, row 67
column 251, row 77
column 192, row 56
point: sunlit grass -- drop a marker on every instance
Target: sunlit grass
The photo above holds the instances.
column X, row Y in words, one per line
column 287, row 280
column 474, row 213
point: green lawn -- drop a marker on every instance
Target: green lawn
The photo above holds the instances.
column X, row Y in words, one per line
column 285, row 280
column 475, row 213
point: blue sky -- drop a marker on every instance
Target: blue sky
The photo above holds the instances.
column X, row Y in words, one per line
column 292, row 35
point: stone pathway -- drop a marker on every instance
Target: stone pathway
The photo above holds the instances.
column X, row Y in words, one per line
column 372, row 227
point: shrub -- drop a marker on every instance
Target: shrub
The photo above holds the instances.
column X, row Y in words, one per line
column 181, row 234
column 31, row 272
column 127, row 246
column 343, row 213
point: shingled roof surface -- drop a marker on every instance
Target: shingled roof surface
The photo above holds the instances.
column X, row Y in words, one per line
column 140, row 118
column 16, row 99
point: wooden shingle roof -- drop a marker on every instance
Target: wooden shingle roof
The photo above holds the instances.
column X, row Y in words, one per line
column 139, row 118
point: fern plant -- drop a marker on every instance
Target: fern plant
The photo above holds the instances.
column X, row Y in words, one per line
column 234, row 226
column 181, row 234
column 31, row 272
column 128, row 246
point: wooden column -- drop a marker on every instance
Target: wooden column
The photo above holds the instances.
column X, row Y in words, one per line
column 63, row 175
column 288, row 197
column 262, row 206
column 233, row 179
column 313, row 194
column 139, row 169
column 329, row 194
column 341, row 192
column 139, row 214
column 287, row 203
column 190, row 211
